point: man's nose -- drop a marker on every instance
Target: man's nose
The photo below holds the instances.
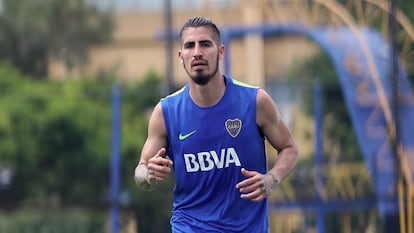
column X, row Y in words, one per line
column 197, row 53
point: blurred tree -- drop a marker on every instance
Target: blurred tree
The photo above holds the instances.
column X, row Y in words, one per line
column 32, row 32
column 340, row 139
column 339, row 144
column 56, row 138
column 51, row 134
column 152, row 209
column 407, row 7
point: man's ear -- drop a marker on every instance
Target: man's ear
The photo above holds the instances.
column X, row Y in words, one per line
column 222, row 51
column 180, row 56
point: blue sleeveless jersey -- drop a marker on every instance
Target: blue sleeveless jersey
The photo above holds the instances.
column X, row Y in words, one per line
column 209, row 146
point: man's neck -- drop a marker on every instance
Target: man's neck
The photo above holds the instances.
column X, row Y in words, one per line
column 209, row 94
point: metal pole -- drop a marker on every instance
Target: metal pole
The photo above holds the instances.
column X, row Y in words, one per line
column 394, row 80
column 115, row 159
column 318, row 115
column 169, row 71
column 395, row 139
column 226, row 39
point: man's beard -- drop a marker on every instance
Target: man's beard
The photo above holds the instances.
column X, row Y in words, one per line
column 201, row 78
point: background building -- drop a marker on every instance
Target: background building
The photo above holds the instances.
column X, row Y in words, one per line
column 138, row 46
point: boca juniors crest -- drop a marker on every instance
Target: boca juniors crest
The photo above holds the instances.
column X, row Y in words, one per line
column 233, row 127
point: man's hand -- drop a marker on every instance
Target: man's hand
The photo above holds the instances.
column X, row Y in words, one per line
column 159, row 166
column 257, row 186
column 149, row 174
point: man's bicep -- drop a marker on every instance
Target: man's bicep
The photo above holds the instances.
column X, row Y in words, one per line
column 280, row 136
column 271, row 123
column 157, row 135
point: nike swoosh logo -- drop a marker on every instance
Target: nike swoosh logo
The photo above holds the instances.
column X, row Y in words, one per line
column 182, row 137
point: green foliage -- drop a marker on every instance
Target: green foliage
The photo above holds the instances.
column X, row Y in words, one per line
column 138, row 99
column 153, row 208
column 56, row 138
column 51, row 135
column 32, row 32
column 145, row 94
column 30, row 220
column 339, row 137
column 407, row 7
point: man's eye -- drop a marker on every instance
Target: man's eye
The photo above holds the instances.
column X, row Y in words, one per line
column 188, row 46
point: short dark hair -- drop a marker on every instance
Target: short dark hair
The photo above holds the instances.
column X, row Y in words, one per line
column 202, row 22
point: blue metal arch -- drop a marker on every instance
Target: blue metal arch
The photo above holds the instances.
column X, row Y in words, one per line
column 351, row 66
